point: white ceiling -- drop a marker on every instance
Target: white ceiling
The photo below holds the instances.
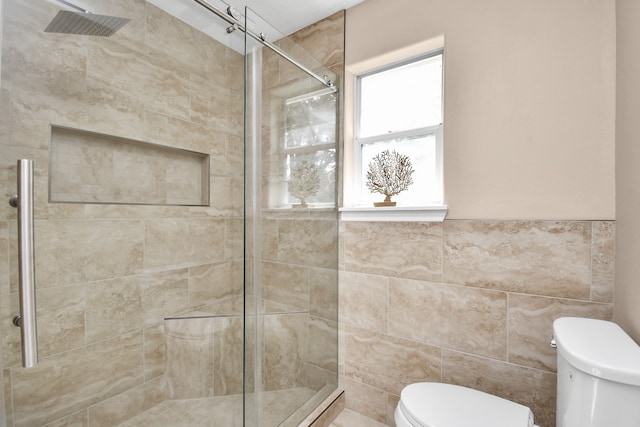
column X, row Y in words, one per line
column 287, row 16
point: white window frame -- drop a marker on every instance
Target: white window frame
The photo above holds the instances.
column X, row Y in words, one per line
column 436, row 130
column 286, row 152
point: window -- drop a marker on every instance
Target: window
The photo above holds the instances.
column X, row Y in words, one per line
column 399, row 107
column 310, row 142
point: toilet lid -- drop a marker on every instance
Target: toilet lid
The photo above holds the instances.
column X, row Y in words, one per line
column 447, row 405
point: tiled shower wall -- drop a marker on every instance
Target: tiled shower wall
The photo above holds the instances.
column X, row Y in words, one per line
column 468, row 302
column 299, row 246
column 107, row 275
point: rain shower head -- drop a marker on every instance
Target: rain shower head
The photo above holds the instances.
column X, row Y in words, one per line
column 84, row 22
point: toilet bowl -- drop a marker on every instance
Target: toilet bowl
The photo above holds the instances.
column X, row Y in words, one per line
column 598, row 385
column 431, row 404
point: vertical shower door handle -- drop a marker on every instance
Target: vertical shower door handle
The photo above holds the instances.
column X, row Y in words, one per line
column 26, row 320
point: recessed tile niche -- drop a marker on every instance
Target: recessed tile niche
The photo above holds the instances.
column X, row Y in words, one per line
column 89, row 167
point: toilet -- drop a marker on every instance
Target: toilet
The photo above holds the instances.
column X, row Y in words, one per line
column 598, row 386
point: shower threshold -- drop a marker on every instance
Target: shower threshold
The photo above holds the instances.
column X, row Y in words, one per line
column 225, row 411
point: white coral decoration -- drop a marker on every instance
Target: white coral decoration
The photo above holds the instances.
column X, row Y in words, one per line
column 305, row 181
column 389, row 173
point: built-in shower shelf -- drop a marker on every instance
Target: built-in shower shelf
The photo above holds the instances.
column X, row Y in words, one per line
column 89, row 167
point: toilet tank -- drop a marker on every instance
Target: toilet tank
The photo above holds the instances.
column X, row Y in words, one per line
column 598, row 374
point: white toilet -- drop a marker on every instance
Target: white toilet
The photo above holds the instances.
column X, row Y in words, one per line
column 598, row 386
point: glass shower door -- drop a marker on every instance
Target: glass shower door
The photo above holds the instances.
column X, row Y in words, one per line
column 291, row 233
column 136, row 141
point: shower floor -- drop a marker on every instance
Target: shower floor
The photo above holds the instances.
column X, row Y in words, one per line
column 224, row 411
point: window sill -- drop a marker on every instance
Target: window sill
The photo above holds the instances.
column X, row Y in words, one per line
column 399, row 213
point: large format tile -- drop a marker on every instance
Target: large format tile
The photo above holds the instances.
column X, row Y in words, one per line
column 457, row 317
column 322, row 343
column 364, row 301
column 190, row 369
column 307, row 242
column 323, row 293
column 183, row 242
column 284, row 351
column 60, row 316
column 228, row 355
column 72, row 251
column 63, row 384
column 4, row 257
column 531, row 326
column 325, row 39
column 121, row 305
column 286, row 284
column 530, row 387
column 603, row 260
column 550, row 258
column 388, row 363
column 211, row 283
column 113, row 411
column 395, row 249
column 364, row 399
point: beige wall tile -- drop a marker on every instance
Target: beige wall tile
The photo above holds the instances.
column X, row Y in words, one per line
column 183, row 242
column 118, row 306
column 324, row 39
column 531, row 326
column 396, row 249
column 161, row 87
column 387, row 362
column 216, row 106
column 8, row 396
column 550, row 258
column 60, row 316
column 364, row 301
column 190, row 357
column 228, row 353
column 80, row 419
column 308, row 242
column 68, row 251
column 364, row 399
column 180, row 133
column 210, row 283
column 322, row 343
column 530, row 387
column 155, row 352
column 283, row 351
column 392, row 403
column 180, row 44
column 64, row 384
column 4, row 257
column 286, row 284
column 124, row 406
column 457, row 317
column 323, row 293
column 602, row 260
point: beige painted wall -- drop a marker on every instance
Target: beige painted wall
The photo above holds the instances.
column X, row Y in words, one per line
column 627, row 287
column 529, row 99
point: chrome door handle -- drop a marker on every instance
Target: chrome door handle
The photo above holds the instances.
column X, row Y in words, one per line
column 26, row 320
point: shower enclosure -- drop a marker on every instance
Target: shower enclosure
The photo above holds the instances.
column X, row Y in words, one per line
column 184, row 218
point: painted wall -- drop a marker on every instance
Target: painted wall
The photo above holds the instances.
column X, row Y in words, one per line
column 529, row 180
column 627, row 295
column 529, row 99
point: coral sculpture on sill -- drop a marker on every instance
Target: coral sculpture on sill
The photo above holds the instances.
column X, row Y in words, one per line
column 389, row 174
column 304, row 182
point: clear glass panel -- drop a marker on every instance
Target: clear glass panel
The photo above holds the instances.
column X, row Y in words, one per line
column 135, row 303
column 402, row 98
column 426, row 185
column 292, row 143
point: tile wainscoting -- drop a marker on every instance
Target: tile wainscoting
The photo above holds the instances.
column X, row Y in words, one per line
column 469, row 302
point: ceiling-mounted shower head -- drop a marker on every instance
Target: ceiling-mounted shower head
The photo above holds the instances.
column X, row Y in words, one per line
column 84, row 22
